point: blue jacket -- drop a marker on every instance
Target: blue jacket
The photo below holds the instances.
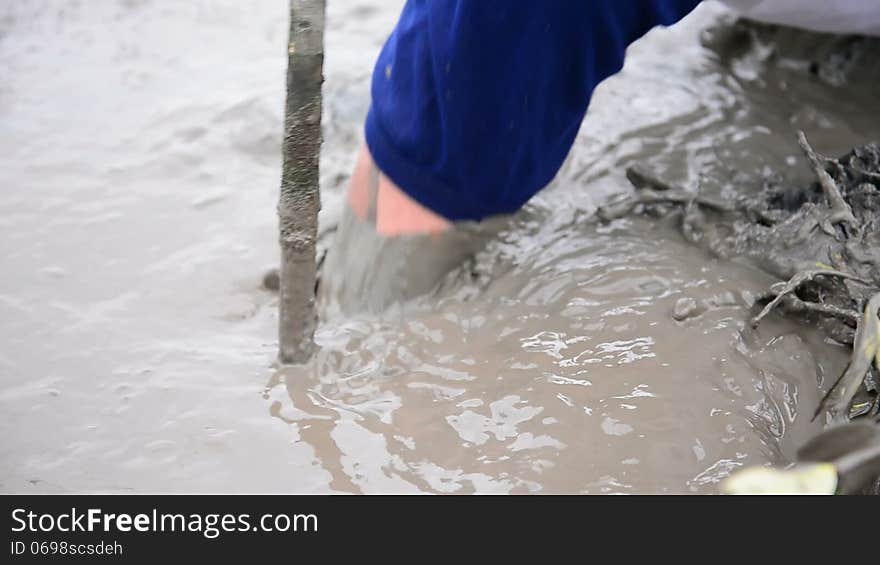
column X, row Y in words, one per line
column 476, row 103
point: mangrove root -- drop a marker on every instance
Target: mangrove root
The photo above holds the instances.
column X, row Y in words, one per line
column 795, row 282
column 840, row 213
column 652, row 190
column 865, row 353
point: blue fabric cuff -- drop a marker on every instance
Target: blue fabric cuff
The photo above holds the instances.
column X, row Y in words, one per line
column 454, row 205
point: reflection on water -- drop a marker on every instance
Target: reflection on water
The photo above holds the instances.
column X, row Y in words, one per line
column 139, row 157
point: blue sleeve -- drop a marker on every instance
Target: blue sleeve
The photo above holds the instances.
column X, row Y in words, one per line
column 476, row 103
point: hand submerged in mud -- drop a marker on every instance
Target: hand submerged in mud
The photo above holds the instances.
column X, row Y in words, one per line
column 389, row 248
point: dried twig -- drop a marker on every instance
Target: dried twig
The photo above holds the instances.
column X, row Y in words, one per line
column 793, row 303
column 650, row 189
column 841, row 213
column 795, row 282
column 646, row 196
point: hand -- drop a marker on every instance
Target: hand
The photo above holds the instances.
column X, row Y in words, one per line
column 389, row 248
column 374, row 197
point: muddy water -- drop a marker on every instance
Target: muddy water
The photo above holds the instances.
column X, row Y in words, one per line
column 139, row 168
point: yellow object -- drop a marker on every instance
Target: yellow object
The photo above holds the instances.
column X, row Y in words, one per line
column 876, row 342
column 818, row 478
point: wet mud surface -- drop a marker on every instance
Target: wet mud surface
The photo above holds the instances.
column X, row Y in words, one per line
column 820, row 237
column 140, row 160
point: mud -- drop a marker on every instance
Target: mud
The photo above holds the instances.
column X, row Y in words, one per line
column 140, row 162
column 363, row 272
column 820, row 237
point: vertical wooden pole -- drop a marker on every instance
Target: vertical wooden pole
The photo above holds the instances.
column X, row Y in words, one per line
column 299, row 200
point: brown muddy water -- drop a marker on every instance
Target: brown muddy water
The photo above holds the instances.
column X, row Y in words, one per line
column 139, row 166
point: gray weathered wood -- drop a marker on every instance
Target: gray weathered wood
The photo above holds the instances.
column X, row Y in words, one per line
column 299, row 200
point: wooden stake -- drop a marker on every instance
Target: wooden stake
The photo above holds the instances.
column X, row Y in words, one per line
column 299, row 200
